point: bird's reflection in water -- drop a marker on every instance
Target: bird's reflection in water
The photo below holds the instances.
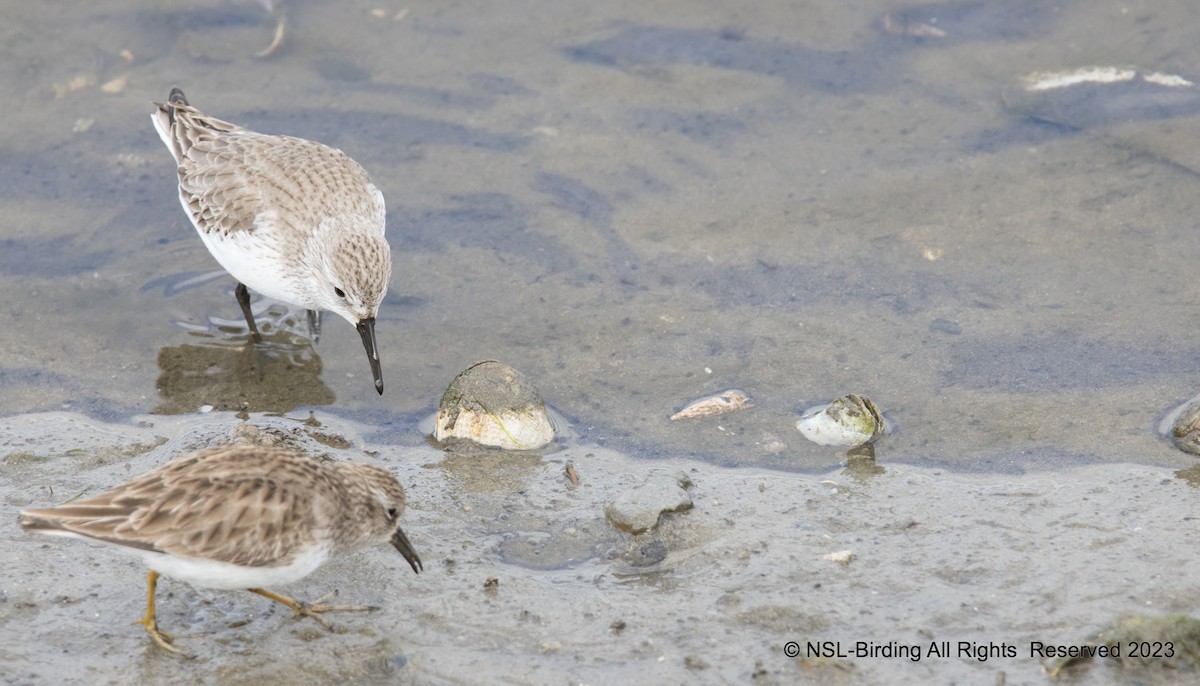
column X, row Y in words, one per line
column 225, row 371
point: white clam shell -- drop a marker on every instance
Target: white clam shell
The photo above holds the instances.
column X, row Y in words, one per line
column 526, row 429
column 851, row 420
column 491, row 404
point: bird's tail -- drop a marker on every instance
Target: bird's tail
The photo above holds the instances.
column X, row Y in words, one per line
column 176, row 98
column 164, row 120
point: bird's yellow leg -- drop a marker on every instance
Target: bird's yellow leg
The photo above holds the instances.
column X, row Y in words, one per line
column 314, row 610
column 162, row 638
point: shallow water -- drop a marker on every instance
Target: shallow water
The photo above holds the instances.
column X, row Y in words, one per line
column 636, row 205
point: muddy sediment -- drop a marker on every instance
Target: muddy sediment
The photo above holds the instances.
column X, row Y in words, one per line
column 911, row 556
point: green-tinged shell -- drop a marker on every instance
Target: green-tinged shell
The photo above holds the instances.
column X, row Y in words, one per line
column 491, row 404
column 851, row 420
column 1186, row 431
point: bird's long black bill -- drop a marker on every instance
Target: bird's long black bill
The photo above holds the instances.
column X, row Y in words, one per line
column 400, row 542
column 366, row 329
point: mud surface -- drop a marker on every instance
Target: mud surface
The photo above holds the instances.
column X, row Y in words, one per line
column 713, row 593
column 635, row 205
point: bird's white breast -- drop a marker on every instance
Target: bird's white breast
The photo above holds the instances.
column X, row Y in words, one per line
column 267, row 260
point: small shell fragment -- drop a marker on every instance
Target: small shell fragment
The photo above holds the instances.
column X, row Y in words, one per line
column 841, row 556
column 276, row 39
column 1051, row 80
column 724, row 402
column 116, row 85
column 1101, row 95
column 77, row 83
column 851, row 420
column 771, row 444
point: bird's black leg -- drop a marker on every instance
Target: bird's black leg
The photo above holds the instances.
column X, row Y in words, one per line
column 243, row 298
column 314, row 325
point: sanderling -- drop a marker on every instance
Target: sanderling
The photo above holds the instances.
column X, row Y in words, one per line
column 239, row 518
column 295, row 220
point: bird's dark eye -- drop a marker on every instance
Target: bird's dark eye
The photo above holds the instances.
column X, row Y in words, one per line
column 392, row 513
column 340, row 292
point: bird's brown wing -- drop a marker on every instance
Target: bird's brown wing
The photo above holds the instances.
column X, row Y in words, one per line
column 235, row 181
column 220, row 513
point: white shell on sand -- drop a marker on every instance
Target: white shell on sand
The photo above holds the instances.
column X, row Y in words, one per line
column 731, row 400
column 851, row 420
column 841, row 556
column 491, row 404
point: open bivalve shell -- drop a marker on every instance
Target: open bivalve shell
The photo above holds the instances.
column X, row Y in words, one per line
column 851, row 420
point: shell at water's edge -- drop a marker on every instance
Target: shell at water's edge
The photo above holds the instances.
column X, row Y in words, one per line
column 1185, row 432
column 491, row 404
column 851, row 420
column 732, row 400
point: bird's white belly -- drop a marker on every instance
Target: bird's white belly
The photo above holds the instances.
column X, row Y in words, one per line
column 259, row 259
column 213, row 574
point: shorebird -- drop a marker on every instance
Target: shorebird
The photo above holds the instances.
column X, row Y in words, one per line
column 239, row 518
column 297, row 221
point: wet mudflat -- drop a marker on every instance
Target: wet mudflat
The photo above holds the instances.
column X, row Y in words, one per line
column 526, row 581
column 636, row 207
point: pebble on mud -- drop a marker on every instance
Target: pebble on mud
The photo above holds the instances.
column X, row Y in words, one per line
column 637, row 510
column 646, row 555
column 491, row 404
